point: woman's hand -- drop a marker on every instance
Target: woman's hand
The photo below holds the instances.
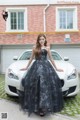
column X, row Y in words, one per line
column 60, row 70
column 22, row 69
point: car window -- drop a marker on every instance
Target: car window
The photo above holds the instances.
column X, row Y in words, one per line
column 26, row 55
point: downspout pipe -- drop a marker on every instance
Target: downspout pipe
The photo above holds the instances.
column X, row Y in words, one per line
column 44, row 17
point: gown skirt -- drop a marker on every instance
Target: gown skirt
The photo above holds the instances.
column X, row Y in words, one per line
column 42, row 87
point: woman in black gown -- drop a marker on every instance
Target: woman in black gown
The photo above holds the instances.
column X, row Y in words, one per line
column 42, row 92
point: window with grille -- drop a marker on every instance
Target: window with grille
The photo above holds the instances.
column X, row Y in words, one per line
column 66, row 18
column 17, row 19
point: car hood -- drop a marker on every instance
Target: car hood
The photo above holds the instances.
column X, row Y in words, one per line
column 64, row 65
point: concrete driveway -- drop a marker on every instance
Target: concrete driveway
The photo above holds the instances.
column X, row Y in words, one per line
column 11, row 111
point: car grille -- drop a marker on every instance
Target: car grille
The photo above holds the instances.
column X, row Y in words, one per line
column 62, row 82
column 71, row 89
column 12, row 89
column 65, row 93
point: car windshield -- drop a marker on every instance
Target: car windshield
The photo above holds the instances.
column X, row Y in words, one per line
column 26, row 55
column 55, row 55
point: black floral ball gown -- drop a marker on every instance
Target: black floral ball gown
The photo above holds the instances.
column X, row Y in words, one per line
column 42, row 87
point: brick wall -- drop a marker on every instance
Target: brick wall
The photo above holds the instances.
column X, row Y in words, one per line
column 35, row 24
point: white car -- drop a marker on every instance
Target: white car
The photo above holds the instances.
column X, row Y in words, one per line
column 69, row 76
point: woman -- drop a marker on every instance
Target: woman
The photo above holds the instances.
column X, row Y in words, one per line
column 42, row 87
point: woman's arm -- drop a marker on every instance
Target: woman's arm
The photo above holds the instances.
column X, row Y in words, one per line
column 51, row 59
column 31, row 58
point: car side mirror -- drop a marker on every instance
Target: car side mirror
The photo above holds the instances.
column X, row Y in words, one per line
column 66, row 59
column 15, row 58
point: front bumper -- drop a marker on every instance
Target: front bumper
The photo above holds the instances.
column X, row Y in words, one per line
column 11, row 86
column 69, row 87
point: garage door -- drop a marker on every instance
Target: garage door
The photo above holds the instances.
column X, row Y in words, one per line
column 7, row 57
column 7, row 54
column 71, row 51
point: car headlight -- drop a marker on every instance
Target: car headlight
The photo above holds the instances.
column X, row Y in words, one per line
column 11, row 74
column 73, row 75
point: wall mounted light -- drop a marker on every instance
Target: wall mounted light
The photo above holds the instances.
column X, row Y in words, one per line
column 5, row 15
column 67, row 38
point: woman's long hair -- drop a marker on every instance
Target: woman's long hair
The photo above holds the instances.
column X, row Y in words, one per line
column 38, row 45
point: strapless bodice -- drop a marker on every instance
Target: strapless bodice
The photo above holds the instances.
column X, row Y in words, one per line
column 43, row 55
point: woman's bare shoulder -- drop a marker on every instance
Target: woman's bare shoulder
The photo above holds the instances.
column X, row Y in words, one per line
column 48, row 48
column 34, row 47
